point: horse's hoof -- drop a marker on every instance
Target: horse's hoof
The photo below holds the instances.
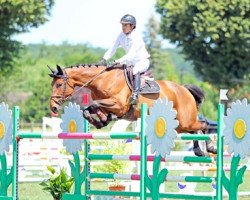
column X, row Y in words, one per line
column 212, row 150
column 210, row 147
column 198, row 152
column 109, row 117
column 98, row 124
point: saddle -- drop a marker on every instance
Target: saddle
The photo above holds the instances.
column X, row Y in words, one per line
column 148, row 85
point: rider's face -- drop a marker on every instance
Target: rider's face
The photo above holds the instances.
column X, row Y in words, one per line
column 126, row 28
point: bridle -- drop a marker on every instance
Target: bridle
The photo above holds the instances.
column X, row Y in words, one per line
column 62, row 98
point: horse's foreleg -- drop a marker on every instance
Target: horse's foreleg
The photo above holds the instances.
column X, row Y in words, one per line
column 101, row 115
column 105, row 120
column 110, row 104
column 91, row 120
column 99, row 108
column 94, row 109
column 87, row 115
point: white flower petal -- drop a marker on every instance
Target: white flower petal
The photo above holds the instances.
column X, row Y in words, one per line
column 6, row 120
column 162, row 108
column 72, row 112
column 238, row 110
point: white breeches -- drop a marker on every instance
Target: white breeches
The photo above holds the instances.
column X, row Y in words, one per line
column 141, row 66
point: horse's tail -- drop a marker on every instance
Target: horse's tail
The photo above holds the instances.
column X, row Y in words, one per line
column 196, row 92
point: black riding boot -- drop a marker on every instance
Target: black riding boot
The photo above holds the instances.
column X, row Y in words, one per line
column 137, row 84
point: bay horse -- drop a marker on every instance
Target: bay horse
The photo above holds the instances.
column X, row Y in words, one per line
column 111, row 94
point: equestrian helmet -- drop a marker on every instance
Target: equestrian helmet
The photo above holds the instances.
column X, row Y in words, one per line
column 128, row 19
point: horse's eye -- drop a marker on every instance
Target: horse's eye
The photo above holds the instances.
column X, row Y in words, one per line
column 58, row 85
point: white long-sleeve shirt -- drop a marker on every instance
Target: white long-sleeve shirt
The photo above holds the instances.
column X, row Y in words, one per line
column 133, row 45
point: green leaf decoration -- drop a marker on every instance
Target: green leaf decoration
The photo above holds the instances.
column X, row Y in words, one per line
column 73, row 168
column 9, row 177
column 225, row 181
column 162, row 176
column 148, row 182
column 83, row 175
column 240, row 174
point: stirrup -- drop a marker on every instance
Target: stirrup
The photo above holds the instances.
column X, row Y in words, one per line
column 133, row 99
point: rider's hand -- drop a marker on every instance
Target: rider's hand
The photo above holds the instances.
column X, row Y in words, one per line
column 113, row 63
column 102, row 62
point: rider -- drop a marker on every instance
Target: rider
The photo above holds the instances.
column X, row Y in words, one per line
column 136, row 53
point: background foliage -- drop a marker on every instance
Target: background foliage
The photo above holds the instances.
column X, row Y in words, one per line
column 17, row 17
column 215, row 35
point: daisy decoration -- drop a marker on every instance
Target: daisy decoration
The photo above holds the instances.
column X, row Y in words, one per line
column 160, row 127
column 237, row 137
column 72, row 122
column 5, row 128
column 160, row 132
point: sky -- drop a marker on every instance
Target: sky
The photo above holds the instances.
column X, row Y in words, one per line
column 95, row 22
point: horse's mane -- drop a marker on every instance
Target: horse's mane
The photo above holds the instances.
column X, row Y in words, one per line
column 61, row 73
column 84, row 65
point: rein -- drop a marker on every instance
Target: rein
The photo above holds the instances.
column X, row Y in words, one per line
column 65, row 78
column 87, row 82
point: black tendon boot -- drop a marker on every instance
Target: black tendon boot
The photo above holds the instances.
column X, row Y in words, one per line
column 137, row 84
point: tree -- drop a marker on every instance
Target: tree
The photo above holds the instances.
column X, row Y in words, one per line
column 37, row 106
column 215, row 35
column 17, row 17
column 160, row 61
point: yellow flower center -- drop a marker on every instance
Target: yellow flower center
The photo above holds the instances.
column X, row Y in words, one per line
column 72, row 127
column 2, row 130
column 240, row 128
column 160, row 127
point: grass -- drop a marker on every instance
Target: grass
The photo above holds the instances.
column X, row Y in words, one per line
column 33, row 191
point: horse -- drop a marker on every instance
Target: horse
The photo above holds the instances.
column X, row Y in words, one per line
column 111, row 94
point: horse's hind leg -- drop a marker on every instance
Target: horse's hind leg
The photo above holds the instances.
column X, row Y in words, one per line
column 197, row 150
column 198, row 126
column 210, row 147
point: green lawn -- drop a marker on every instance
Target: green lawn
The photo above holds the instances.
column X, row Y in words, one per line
column 33, row 191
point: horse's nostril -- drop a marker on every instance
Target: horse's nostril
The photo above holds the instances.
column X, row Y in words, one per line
column 54, row 109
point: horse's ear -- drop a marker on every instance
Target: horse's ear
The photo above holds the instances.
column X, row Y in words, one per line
column 53, row 71
column 59, row 70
